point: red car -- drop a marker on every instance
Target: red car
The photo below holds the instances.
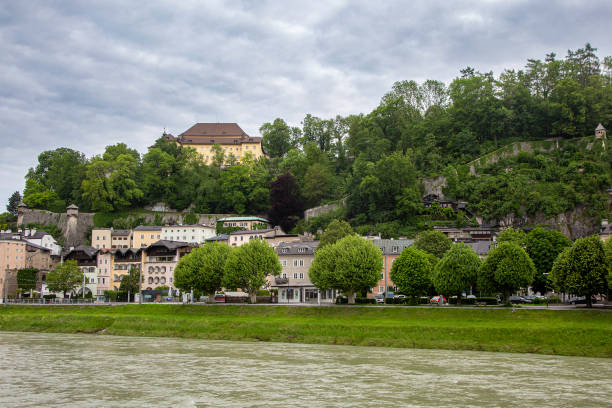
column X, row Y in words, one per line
column 220, row 298
column 436, row 300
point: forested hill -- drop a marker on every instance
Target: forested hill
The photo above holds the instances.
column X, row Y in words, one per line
column 377, row 160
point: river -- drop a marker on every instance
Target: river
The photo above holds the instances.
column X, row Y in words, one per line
column 57, row 370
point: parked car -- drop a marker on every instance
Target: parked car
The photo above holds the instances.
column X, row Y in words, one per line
column 436, row 300
column 220, row 298
column 380, row 298
column 518, row 300
column 581, row 300
column 399, row 297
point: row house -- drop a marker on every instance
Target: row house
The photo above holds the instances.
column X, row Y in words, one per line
column 17, row 253
column 273, row 236
column 193, row 234
column 145, row 235
column 391, row 250
column 160, row 260
column 247, row 223
column 110, row 238
column 42, row 239
column 87, row 259
column 293, row 283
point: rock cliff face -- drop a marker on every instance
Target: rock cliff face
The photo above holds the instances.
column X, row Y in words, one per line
column 574, row 224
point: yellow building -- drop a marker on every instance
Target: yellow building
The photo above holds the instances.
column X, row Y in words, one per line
column 229, row 136
column 101, row 238
column 144, row 236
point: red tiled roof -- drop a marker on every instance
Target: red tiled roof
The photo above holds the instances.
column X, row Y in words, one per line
column 215, row 130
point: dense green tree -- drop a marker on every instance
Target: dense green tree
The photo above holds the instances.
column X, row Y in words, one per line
column 543, row 246
column 582, row 269
column 26, row 278
column 65, row 277
column 13, row 202
column 457, row 271
column 516, row 236
column 278, row 137
column 412, row 272
column 434, row 242
column 351, row 265
column 506, row 269
column 335, row 231
column 286, row 202
column 318, row 184
column 130, row 283
column 60, row 171
column 202, row 269
column 248, row 266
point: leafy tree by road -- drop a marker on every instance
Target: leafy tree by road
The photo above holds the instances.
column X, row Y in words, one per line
column 506, row 269
column 26, row 278
column 351, row 265
column 582, row 269
column 202, row 269
column 65, row 277
column 543, row 246
column 434, row 242
column 457, row 271
column 130, row 283
column 336, row 230
column 412, row 272
column 248, row 266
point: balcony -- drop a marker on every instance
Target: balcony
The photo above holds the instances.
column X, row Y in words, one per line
column 281, row 281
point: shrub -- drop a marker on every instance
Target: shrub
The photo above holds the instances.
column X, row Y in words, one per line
column 365, row 301
column 464, row 301
column 341, row 300
column 263, row 292
column 51, row 296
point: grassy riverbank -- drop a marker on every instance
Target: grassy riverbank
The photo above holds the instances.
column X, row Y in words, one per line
column 562, row 332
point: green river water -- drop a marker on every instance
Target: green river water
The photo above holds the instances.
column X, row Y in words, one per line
column 58, row 370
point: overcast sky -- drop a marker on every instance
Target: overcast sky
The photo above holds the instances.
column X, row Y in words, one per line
column 86, row 74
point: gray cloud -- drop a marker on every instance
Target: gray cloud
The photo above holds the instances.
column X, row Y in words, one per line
column 88, row 74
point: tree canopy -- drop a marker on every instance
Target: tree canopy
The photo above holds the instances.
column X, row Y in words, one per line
column 433, row 242
column 351, row 265
column 582, row 269
column 543, row 246
column 248, row 266
column 203, row 268
column 65, row 277
column 457, row 271
column 336, row 230
column 412, row 272
column 506, row 269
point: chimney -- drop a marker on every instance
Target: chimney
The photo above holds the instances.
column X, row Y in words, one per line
column 604, row 223
column 26, row 233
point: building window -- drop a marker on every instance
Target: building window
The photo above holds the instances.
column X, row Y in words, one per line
column 295, row 275
column 301, row 275
column 284, row 276
column 381, row 289
column 395, row 249
column 284, row 263
column 382, row 276
column 301, row 250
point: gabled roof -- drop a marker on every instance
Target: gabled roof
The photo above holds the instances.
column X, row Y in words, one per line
column 148, row 228
column 214, row 129
column 246, row 232
column 392, row 246
column 124, row 251
column 235, row 219
column 88, row 250
column 220, row 237
column 72, row 207
column 480, row 247
column 293, row 248
column 168, row 244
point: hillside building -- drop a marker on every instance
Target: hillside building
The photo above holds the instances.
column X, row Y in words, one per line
column 233, row 141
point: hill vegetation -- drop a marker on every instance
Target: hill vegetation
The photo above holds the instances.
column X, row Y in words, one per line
column 376, row 161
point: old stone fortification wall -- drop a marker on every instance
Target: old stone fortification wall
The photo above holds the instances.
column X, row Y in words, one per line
column 74, row 228
column 323, row 209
